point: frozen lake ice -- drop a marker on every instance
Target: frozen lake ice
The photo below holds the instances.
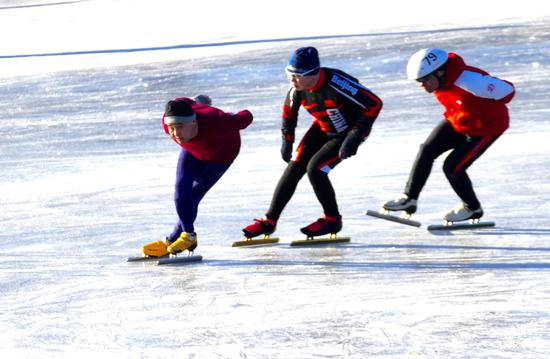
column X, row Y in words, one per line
column 86, row 179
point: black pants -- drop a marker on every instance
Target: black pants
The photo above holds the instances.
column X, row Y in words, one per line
column 465, row 150
column 317, row 154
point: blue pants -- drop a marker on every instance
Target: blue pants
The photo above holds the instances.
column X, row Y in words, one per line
column 194, row 178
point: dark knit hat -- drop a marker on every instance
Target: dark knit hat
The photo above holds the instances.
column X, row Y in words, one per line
column 304, row 62
column 178, row 112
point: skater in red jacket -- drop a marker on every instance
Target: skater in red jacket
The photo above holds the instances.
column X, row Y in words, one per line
column 210, row 141
column 343, row 113
column 475, row 117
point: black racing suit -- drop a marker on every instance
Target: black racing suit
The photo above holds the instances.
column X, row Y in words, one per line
column 339, row 105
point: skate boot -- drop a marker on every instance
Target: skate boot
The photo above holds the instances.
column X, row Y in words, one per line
column 263, row 225
column 322, row 226
column 463, row 213
column 402, row 203
column 185, row 241
column 156, row 249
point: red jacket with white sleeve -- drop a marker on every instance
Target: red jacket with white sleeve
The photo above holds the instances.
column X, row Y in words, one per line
column 218, row 139
column 474, row 101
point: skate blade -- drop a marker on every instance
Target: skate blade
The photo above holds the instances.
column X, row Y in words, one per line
column 323, row 240
column 144, row 258
column 255, row 242
column 180, row 260
column 389, row 217
column 457, row 226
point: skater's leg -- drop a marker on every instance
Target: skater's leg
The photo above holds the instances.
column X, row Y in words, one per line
column 207, row 176
column 285, row 189
column 183, row 194
column 442, row 138
column 457, row 163
column 318, row 169
column 310, row 144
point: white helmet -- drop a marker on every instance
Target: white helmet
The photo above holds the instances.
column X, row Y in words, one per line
column 425, row 61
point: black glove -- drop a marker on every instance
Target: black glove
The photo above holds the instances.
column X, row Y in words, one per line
column 350, row 144
column 286, row 150
column 203, row 99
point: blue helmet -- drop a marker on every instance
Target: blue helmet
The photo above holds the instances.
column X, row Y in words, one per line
column 304, row 61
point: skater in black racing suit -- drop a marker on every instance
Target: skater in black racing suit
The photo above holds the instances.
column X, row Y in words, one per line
column 343, row 114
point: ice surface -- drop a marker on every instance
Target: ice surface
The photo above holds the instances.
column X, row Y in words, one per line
column 86, row 178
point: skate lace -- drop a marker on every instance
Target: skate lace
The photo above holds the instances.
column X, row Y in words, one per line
column 403, row 198
column 459, row 208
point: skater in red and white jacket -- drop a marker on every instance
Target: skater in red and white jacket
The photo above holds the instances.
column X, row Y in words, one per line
column 475, row 117
column 343, row 113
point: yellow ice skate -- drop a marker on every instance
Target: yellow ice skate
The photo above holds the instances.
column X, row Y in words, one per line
column 156, row 249
column 185, row 241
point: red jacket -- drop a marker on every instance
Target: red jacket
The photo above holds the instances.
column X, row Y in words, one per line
column 474, row 101
column 218, row 139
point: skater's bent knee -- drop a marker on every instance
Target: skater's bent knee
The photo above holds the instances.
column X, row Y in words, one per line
column 428, row 151
column 313, row 171
column 452, row 169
